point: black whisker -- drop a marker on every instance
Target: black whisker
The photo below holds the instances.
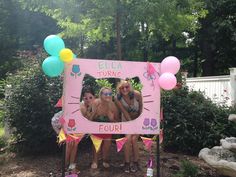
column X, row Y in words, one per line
column 146, row 95
column 75, row 111
column 148, row 101
column 147, row 109
column 75, row 97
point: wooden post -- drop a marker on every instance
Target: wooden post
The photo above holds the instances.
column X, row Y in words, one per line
column 63, row 160
column 158, row 156
column 233, row 85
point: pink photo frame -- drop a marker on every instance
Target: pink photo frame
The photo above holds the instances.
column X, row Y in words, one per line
column 149, row 120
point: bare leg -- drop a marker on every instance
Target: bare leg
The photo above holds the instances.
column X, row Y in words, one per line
column 73, row 153
column 68, row 151
column 127, row 148
column 95, row 159
column 105, row 152
column 135, row 149
column 134, row 141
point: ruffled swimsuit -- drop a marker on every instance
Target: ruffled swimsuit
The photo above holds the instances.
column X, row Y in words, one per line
column 129, row 108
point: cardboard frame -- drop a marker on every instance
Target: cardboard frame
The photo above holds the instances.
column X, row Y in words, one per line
column 149, row 120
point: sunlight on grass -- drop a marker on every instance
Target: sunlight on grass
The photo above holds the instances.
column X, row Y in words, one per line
column 1, row 131
column 2, row 138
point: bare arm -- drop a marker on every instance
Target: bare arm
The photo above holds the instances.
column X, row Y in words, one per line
column 140, row 100
column 83, row 110
column 93, row 110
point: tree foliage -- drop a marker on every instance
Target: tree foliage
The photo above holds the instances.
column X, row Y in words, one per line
column 216, row 39
column 143, row 23
column 200, row 33
column 20, row 30
column 8, row 35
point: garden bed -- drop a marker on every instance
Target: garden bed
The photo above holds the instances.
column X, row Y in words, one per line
column 37, row 166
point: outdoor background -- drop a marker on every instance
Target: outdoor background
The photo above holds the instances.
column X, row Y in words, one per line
column 200, row 33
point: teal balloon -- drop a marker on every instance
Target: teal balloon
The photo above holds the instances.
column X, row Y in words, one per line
column 52, row 66
column 53, row 45
column 74, row 56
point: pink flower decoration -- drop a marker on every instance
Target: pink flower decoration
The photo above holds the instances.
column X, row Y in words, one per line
column 71, row 123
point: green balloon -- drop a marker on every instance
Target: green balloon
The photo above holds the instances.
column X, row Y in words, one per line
column 53, row 66
column 53, row 45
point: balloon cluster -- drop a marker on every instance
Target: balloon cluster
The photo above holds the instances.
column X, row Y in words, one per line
column 169, row 67
column 54, row 65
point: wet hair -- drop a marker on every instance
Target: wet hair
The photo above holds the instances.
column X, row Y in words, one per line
column 87, row 90
column 104, row 88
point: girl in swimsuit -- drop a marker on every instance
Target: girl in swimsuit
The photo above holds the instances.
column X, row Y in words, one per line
column 129, row 102
column 103, row 110
column 71, row 147
column 86, row 104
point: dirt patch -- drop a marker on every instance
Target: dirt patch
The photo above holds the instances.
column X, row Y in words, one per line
column 41, row 166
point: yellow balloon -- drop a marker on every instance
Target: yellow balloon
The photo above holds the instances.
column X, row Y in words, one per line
column 66, row 55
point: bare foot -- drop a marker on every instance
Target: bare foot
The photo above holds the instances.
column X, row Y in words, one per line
column 94, row 165
column 105, row 165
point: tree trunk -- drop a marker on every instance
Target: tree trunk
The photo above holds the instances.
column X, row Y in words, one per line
column 82, row 46
column 195, row 64
column 208, row 65
column 173, row 49
column 118, row 30
column 145, row 50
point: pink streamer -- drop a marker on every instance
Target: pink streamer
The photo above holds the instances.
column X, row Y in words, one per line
column 78, row 140
column 72, row 138
column 69, row 139
column 120, row 143
column 161, row 137
column 150, row 69
column 59, row 103
column 161, row 115
column 147, row 142
column 150, row 162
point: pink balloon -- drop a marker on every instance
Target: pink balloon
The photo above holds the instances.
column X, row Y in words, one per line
column 170, row 64
column 167, row 81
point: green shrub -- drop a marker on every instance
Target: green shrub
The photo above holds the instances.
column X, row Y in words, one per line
column 30, row 99
column 2, row 112
column 136, row 85
column 104, row 83
column 192, row 122
column 188, row 169
column 2, row 85
column 2, row 142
